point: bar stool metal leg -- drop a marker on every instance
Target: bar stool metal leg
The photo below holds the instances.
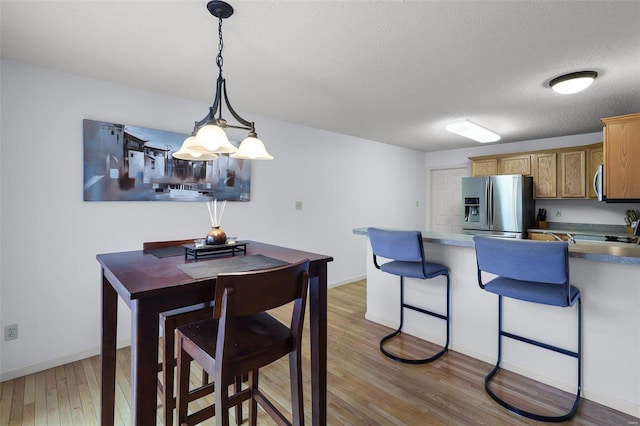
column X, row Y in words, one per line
column 396, row 333
column 577, row 355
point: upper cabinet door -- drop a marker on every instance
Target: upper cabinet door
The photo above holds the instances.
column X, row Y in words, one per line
column 545, row 177
column 515, row 165
column 622, row 157
column 488, row 167
column 572, row 172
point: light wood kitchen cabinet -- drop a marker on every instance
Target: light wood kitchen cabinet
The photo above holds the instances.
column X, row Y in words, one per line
column 519, row 164
column 594, row 159
column 622, row 157
column 486, row 167
column 545, row 175
column 557, row 173
column 572, row 172
column 515, row 165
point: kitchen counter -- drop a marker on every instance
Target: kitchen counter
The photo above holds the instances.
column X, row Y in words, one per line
column 600, row 251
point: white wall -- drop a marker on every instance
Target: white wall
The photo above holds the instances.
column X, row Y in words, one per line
column 50, row 280
column 572, row 211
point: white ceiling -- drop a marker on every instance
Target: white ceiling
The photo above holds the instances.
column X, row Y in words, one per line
column 394, row 72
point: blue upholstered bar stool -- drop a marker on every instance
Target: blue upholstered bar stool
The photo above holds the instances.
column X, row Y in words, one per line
column 406, row 254
column 532, row 271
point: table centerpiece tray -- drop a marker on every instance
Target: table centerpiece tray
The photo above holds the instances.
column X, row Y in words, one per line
column 193, row 252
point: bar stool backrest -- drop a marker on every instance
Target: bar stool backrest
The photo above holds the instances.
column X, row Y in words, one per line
column 524, row 260
column 257, row 291
column 404, row 246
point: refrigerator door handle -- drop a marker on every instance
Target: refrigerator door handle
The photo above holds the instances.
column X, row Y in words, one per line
column 489, row 193
column 514, row 206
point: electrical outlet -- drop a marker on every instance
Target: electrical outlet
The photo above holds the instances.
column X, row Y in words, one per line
column 558, row 213
column 10, row 332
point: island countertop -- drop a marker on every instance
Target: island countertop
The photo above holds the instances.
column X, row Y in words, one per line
column 599, row 251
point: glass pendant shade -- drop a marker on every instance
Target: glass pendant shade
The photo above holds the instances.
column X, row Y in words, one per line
column 212, row 138
column 190, row 151
column 252, row 148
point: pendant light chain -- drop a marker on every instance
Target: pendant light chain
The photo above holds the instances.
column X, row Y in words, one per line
column 220, row 47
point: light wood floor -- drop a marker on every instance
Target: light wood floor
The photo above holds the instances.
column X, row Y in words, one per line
column 364, row 387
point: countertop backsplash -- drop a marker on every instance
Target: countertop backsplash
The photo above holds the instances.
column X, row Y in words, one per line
column 585, row 212
column 587, row 228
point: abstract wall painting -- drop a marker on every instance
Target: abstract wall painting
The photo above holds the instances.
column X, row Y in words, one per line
column 129, row 163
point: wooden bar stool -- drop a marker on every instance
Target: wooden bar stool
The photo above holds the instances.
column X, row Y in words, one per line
column 532, row 271
column 241, row 338
column 406, row 251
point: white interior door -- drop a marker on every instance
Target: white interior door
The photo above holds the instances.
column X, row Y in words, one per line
column 445, row 197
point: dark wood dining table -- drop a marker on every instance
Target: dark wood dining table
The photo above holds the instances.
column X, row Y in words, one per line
column 150, row 285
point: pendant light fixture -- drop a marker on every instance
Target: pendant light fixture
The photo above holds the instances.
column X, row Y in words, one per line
column 209, row 137
column 573, row 83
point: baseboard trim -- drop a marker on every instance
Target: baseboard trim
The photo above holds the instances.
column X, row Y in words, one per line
column 52, row 363
column 347, row 281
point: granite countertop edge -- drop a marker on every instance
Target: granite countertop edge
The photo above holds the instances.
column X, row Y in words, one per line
column 609, row 252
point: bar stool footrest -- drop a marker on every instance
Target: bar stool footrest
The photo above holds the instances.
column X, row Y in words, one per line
column 407, row 360
column 524, row 413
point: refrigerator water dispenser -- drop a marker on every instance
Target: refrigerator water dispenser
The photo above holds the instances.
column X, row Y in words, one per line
column 472, row 210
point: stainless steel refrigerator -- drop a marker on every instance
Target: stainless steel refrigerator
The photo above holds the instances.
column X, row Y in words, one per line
column 498, row 205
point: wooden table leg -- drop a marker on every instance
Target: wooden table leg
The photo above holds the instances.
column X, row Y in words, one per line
column 108, row 352
column 318, row 330
column 144, row 361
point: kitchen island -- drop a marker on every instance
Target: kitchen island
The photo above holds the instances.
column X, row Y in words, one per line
column 608, row 275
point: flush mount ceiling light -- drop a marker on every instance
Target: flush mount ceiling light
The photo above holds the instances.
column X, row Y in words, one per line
column 471, row 130
column 573, row 83
column 209, row 137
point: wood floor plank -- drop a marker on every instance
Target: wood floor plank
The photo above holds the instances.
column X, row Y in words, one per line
column 53, row 413
column 92, row 382
column 41, row 397
column 29, row 401
column 64, row 404
column 75, row 403
column 6, row 396
column 364, row 387
column 17, row 402
column 89, row 411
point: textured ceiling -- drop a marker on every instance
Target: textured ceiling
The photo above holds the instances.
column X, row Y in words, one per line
column 394, row 72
